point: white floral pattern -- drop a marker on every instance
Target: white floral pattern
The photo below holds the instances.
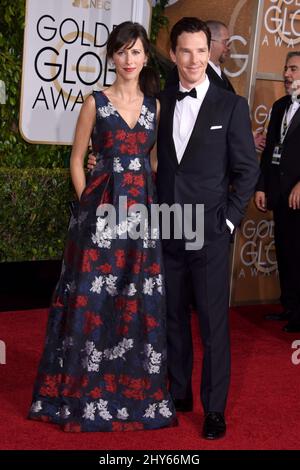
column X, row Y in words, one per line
column 36, row 406
column 119, row 350
column 135, row 164
column 93, row 357
column 107, row 281
column 123, row 414
column 148, row 286
column 106, row 111
column 130, row 290
column 89, row 411
column 103, row 411
column 152, row 362
column 103, row 236
column 162, row 408
column 150, row 411
column 105, row 233
column 146, row 118
column 153, row 283
column 118, row 165
column 65, row 412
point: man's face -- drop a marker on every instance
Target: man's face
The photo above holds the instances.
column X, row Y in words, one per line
column 291, row 74
column 191, row 57
column 220, row 49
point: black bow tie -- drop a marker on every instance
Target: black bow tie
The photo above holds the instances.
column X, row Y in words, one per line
column 183, row 94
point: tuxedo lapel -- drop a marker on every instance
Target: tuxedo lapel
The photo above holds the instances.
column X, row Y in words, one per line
column 294, row 123
column 169, row 127
column 279, row 118
column 214, row 77
column 227, row 82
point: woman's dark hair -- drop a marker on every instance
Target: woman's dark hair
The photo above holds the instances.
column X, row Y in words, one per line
column 127, row 34
column 189, row 24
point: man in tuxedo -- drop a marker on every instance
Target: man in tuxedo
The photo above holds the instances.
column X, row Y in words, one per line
column 204, row 137
column 278, row 189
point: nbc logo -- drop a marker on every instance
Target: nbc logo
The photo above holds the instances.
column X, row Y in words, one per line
column 99, row 4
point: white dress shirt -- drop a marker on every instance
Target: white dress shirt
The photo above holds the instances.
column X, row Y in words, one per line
column 185, row 115
column 216, row 68
column 288, row 116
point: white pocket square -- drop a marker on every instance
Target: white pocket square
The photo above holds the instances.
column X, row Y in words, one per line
column 216, row 127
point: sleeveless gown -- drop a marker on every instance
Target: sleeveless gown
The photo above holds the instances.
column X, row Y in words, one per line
column 103, row 366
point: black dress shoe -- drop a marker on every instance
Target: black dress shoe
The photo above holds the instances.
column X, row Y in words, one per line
column 182, row 404
column 292, row 327
column 284, row 316
column 214, row 425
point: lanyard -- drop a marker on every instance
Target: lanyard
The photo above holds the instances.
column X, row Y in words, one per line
column 285, row 125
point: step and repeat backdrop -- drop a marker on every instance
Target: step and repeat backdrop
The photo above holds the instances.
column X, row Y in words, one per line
column 255, row 275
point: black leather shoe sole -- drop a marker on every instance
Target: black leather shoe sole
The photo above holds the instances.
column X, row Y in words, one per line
column 212, row 437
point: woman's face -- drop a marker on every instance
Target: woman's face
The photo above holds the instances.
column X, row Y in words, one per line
column 129, row 60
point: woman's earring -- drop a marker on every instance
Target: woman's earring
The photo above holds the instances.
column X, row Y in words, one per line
column 111, row 64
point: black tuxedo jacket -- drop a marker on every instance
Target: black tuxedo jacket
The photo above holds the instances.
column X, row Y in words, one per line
column 217, row 80
column 221, row 144
column 173, row 79
column 278, row 180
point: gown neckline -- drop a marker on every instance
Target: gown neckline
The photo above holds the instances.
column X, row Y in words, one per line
column 120, row 115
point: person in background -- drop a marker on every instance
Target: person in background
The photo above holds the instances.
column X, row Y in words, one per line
column 278, row 189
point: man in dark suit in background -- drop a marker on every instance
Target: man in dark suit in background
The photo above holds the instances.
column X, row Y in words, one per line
column 204, row 137
column 278, row 189
column 219, row 53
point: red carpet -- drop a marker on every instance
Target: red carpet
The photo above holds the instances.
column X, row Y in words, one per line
column 263, row 408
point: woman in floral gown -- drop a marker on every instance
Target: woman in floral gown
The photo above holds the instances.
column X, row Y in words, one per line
column 104, row 363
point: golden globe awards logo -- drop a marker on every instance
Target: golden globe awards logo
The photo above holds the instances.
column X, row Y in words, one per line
column 76, row 57
column 238, row 44
column 282, row 23
column 257, row 253
column 261, row 116
column 64, row 59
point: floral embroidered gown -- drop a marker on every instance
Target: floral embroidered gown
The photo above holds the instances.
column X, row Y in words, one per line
column 104, row 363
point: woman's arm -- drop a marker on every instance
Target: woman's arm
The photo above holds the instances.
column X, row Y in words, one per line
column 84, row 127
